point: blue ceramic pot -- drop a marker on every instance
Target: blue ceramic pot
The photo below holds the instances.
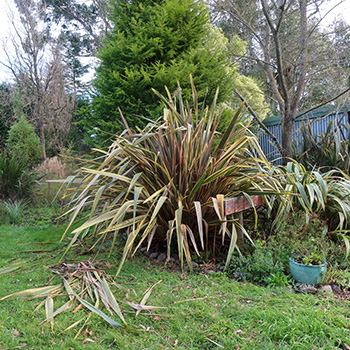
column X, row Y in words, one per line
column 307, row 274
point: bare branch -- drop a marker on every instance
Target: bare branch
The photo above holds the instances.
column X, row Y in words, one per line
column 258, row 120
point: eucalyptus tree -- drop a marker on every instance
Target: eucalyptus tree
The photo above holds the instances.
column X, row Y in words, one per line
column 84, row 24
column 280, row 36
column 34, row 58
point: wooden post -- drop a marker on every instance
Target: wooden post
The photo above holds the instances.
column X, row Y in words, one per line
column 236, row 206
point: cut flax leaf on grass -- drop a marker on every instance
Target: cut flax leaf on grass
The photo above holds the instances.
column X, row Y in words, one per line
column 167, row 183
column 80, row 286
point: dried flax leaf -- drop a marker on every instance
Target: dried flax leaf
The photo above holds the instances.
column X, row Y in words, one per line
column 146, row 296
column 72, row 325
column 69, row 289
column 190, row 233
column 180, row 238
column 140, row 308
column 232, row 245
column 34, row 293
column 220, row 200
column 10, row 268
column 64, row 307
column 200, row 222
column 111, row 300
column 216, row 207
column 98, row 312
column 83, row 326
column 49, row 310
column 169, row 237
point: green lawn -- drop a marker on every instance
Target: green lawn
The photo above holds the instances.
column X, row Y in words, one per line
column 200, row 311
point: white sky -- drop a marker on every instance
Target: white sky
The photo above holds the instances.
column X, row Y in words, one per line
column 5, row 26
column 7, row 5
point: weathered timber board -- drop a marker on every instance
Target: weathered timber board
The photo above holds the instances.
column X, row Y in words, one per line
column 238, row 204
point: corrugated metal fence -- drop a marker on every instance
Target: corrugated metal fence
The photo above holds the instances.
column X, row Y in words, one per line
column 319, row 124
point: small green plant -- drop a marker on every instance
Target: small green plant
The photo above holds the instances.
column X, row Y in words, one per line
column 278, row 279
column 312, row 259
column 339, row 276
column 15, row 209
column 263, row 266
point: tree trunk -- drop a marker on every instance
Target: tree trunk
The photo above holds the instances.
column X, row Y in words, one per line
column 42, row 141
column 287, row 136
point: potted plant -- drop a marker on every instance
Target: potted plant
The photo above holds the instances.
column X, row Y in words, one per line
column 307, row 268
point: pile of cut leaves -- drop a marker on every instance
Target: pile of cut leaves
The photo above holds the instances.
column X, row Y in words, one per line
column 85, row 285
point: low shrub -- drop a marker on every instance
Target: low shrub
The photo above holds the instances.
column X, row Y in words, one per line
column 52, row 168
column 15, row 210
column 16, row 179
column 24, row 142
column 262, row 266
column 267, row 262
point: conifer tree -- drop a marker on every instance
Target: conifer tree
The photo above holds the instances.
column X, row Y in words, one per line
column 155, row 44
column 24, row 142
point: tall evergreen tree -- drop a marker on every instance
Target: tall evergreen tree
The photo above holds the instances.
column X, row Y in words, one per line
column 155, row 44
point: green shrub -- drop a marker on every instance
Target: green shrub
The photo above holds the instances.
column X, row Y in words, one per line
column 326, row 151
column 16, row 180
column 262, row 266
column 267, row 263
column 325, row 194
column 24, row 142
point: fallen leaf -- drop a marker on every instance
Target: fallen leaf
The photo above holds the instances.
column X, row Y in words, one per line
column 238, row 331
column 90, row 333
column 77, row 308
column 145, row 328
column 88, row 340
column 108, row 264
column 15, row 332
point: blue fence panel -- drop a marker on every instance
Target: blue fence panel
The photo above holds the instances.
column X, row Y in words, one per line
column 318, row 127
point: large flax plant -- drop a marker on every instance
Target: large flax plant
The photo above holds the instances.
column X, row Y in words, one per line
column 166, row 184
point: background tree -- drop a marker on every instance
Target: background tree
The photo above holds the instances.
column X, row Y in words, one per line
column 6, row 112
column 83, row 24
column 82, row 27
column 40, row 76
column 283, row 38
column 340, row 39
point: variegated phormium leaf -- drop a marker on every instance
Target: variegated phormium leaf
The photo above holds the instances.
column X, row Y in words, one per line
column 158, row 184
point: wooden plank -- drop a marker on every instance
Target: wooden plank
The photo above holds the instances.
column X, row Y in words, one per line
column 238, row 204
